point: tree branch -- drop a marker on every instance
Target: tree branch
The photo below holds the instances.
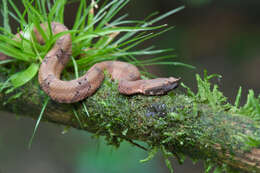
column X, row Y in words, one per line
column 173, row 122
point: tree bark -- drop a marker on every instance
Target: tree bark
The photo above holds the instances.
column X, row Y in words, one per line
column 173, row 122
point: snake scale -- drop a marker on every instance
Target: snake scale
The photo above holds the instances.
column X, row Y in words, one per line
column 127, row 75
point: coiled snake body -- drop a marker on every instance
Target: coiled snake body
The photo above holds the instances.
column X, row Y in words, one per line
column 127, row 75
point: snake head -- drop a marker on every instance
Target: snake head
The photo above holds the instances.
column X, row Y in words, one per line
column 160, row 86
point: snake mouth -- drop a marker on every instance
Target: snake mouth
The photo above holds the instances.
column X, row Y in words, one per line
column 161, row 90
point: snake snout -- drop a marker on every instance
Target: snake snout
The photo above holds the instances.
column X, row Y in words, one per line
column 162, row 87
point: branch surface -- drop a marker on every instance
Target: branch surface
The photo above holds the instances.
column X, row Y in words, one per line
column 173, row 122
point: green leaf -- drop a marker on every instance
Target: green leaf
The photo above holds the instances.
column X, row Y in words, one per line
column 151, row 154
column 81, row 15
column 38, row 121
column 166, row 155
column 6, row 61
column 75, row 67
column 5, row 16
column 5, row 85
column 166, row 15
column 13, row 52
column 21, row 17
column 23, row 77
column 218, row 170
column 115, row 8
column 13, row 97
column 77, row 117
column 189, row 91
column 85, row 109
column 168, row 164
column 209, row 167
column 142, row 52
column 91, row 15
column 105, row 31
column 171, row 63
column 238, row 97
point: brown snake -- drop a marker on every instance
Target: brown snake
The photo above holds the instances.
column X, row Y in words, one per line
column 127, row 75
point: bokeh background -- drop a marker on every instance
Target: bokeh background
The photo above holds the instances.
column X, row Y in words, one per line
column 222, row 36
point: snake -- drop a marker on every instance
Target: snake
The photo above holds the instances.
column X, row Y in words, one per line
column 127, row 75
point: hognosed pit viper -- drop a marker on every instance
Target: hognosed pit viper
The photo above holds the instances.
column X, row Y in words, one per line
column 127, row 75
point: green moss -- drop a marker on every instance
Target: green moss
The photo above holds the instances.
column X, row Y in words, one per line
column 181, row 124
column 167, row 121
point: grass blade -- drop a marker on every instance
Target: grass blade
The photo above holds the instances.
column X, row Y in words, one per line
column 21, row 78
column 75, row 67
column 15, row 53
column 5, row 16
column 112, row 12
column 164, row 15
column 22, row 21
column 142, row 52
column 238, row 97
column 170, row 63
column 85, row 108
column 38, row 121
column 77, row 117
column 105, row 31
column 130, row 34
column 6, row 61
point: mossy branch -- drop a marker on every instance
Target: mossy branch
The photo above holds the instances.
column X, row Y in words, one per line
column 174, row 123
column 201, row 126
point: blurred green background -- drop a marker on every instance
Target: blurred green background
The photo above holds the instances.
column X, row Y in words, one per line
column 222, row 36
